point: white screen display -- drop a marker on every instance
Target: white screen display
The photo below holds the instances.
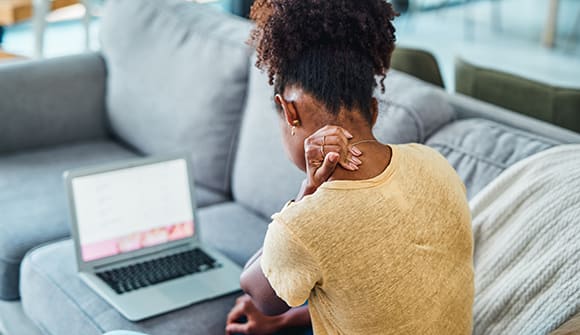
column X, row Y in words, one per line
column 133, row 208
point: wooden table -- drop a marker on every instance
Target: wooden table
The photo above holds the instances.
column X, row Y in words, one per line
column 551, row 24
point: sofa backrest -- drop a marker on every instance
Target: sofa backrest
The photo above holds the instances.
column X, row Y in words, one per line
column 264, row 178
column 177, row 77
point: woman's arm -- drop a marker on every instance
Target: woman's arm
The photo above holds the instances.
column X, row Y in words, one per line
column 320, row 166
column 296, row 317
column 256, row 285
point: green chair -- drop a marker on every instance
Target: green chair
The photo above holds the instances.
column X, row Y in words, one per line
column 417, row 63
column 556, row 105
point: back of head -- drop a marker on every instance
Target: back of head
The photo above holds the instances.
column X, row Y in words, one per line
column 333, row 49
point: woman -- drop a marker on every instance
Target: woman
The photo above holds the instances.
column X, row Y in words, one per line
column 378, row 243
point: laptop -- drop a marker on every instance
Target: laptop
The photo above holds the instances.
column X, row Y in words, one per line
column 136, row 237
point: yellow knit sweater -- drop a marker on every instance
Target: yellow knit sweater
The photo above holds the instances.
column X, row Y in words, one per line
column 387, row 255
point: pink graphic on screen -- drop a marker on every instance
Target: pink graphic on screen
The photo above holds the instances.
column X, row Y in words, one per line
column 136, row 241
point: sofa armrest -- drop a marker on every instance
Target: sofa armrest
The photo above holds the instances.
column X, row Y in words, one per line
column 467, row 107
column 50, row 102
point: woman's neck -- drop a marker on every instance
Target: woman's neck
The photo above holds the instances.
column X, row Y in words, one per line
column 375, row 156
column 375, row 159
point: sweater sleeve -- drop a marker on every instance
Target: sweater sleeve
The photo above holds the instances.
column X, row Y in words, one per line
column 289, row 267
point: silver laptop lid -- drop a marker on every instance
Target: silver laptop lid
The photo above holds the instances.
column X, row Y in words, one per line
column 130, row 209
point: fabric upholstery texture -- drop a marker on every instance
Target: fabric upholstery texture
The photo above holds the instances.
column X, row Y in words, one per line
column 177, row 79
column 49, row 279
column 33, row 207
column 410, row 110
column 469, row 108
column 233, row 230
column 261, row 160
column 556, row 105
column 480, row 150
column 51, row 102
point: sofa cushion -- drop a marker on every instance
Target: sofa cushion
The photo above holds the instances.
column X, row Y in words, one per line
column 232, row 229
column 49, row 279
column 63, row 102
column 33, row 207
column 480, row 149
column 264, row 178
column 410, row 110
column 177, row 76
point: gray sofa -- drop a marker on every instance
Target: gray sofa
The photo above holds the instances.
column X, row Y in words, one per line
column 175, row 76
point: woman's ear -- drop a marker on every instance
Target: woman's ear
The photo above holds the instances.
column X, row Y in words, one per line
column 374, row 111
column 289, row 110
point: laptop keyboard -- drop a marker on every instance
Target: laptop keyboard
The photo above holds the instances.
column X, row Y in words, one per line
column 158, row 270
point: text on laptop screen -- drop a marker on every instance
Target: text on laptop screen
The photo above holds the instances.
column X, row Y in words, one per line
column 133, row 208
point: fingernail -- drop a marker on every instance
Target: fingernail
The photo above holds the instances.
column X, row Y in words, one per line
column 333, row 158
column 356, row 160
column 354, row 167
column 349, row 135
column 356, row 151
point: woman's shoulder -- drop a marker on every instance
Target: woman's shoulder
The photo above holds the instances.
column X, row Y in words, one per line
column 420, row 155
column 311, row 210
column 423, row 161
column 415, row 148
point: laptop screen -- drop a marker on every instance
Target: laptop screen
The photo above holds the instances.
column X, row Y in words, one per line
column 133, row 208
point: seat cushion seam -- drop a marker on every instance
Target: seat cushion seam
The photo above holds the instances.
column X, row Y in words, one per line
column 485, row 160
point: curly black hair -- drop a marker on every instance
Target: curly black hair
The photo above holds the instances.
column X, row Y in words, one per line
column 333, row 49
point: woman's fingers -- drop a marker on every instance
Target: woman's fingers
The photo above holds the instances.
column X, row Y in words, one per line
column 317, row 154
column 356, row 160
column 327, row 168
column 237, row 328
column 346, row 160
column 236, row 313
column 336, row 139
column 331, row 139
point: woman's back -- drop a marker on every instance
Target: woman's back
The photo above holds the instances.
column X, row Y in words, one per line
column 391, row 254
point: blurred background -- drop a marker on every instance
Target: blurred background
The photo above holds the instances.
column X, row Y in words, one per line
column 536, row 39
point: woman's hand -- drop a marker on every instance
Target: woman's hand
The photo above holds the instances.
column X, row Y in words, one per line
column 324, row 150
column 255, row 323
